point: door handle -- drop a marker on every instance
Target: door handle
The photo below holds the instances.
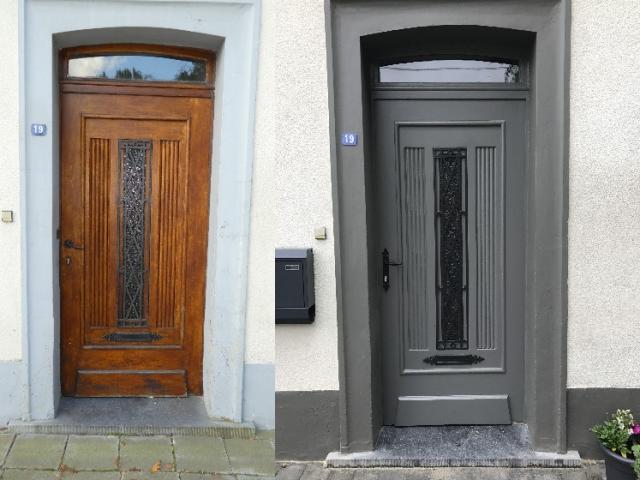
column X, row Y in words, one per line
column 69, row 244
column 386, row 263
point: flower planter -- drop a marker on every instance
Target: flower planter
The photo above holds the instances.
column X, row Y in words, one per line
column 618, row 467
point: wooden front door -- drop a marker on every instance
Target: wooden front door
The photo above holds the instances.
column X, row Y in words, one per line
column 134, row 195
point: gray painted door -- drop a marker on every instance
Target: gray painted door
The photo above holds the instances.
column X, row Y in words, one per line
column 450, row 202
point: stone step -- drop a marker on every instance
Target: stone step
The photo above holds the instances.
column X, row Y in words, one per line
column 315, row 471
column 135, row 416
column 505, row 446
column 217, row 429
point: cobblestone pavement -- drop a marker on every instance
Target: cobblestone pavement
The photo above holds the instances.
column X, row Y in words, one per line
column 163, row 457
column 316, row 471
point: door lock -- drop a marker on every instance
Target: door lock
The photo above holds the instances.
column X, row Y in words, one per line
column 386, row 263
column 69, row 244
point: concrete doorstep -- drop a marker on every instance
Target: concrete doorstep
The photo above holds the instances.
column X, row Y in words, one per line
column 135, row 416
column 501, row 452
column 110, row 457
column 318, row 471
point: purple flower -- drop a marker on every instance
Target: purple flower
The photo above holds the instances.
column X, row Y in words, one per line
column 636, row 429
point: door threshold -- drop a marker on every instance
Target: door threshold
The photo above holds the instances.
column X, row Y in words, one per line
column 454, row 446
column 135, row 416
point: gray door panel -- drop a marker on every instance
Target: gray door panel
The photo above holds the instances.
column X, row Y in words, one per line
column 449, row 192
column 439, row 410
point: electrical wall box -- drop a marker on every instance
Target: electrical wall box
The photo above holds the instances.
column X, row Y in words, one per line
column 295, row 298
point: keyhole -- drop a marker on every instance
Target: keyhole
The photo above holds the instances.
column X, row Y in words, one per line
column 67, row 259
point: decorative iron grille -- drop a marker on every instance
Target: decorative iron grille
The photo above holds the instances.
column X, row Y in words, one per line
column 135, row 186
column 451, row 247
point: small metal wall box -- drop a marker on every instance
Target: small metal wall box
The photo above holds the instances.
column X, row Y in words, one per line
column 6, row 216
column 320, row 233
column 295, row 298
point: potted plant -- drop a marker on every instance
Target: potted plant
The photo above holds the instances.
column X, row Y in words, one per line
column 620, row 441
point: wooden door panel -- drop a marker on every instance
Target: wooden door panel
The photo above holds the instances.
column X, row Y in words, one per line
column 99, row 304
column 134, row 177
column 131, row 357
column 165, row 226
column 167, row 293
column 98, row 383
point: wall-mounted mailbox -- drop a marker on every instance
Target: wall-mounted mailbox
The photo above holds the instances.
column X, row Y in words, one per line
column 295, row 299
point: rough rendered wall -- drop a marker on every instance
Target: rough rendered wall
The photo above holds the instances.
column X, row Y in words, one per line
column 10, row 279
column 306, row 355
column 604, row 217
column 260, row 291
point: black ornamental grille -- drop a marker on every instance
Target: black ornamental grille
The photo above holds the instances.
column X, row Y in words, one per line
column 451, row 250
column 135, row 159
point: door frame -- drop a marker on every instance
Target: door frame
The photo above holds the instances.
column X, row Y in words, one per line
column 355, row 27
column 232, row 33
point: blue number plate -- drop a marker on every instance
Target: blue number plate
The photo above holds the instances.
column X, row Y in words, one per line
column 349, row 139
column 38, row 129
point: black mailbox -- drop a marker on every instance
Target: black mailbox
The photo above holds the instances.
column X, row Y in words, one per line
column 295, row 299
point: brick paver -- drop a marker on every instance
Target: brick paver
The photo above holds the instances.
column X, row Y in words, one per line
column 208, row 476
column 6, row 439
column 162, row 457
column 201, row 455
column 69, row 475
column 43, row 452
column 147, row 454
column 254, row 457
column 91, row 452
column 29, row 475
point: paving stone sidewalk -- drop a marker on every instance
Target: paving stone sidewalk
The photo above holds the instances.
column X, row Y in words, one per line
column 316, row 471
column 163, row 457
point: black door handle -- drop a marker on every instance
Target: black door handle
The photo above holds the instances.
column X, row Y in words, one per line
column 69, row 244
column 386, row 263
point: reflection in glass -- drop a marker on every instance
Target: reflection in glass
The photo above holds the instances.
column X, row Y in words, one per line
column 137, row 67
column 450, row 71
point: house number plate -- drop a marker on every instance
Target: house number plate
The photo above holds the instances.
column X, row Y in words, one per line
column 38, row 129
column 349, row 139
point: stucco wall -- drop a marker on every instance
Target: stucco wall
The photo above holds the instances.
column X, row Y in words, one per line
column 306, row 355
column 259, row 346
column 604, row 217
column 10, row 277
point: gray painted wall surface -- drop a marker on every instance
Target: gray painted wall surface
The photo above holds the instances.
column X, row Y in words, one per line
column 350, row 21
column 11, row 391
column 588, row 406
column 307, row 426
column 258, row 405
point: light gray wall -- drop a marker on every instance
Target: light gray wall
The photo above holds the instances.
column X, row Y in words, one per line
column 11, row 391
column 10, row 188
column 229, row 27
column 258, row 403
column 604, row 193
column 306, row 355
column 260, row 292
